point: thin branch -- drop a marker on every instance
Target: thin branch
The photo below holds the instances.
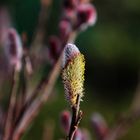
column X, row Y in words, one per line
column 31, row 112
column 22, row 90
column 11, row 109
column 73, row 127
column 76, row 118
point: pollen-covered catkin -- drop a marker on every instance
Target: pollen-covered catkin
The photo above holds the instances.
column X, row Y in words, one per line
column 73, row 73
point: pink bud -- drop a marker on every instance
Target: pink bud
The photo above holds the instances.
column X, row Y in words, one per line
column 86, row 14
column 82, row 134
column 78, row 135
column 65, row 29
column 13, row 48
column 65, row 121
column 54, row 49
column 69, row 7
column 100, row 126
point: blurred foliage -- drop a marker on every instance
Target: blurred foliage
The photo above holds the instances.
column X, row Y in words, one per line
column 112, row 51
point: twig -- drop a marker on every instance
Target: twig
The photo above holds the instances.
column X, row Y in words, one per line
column 76, row 118
column 11, row 109
column 22, row 90
column 36, row 92
column 31, row 112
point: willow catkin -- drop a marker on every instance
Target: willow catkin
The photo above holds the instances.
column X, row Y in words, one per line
column 73, row 73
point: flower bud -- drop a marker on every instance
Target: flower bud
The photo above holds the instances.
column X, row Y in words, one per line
column 82, row 134
column 65, row 121
column 86, row 134
column 73, row 73
column 78, row 135
column 87, row 15
column 99, row 125
column 13, row 48
column 54, row 48
column 69, row 8
column 65, row 29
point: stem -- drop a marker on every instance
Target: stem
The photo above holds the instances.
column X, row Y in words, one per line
column 11, row 109
column 73, row 122
column 76, row 118
column 22, row 90
column 32, row 110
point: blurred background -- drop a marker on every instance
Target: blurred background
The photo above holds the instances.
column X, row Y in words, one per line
column 112, row 51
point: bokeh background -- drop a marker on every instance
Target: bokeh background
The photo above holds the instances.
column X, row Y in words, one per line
column 112, row 52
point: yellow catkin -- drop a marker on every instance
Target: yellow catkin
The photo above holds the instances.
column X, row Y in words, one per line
column 73, row 78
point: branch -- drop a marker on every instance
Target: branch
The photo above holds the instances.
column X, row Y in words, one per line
column 76, row 118
column 11, row 109
column 32, row 111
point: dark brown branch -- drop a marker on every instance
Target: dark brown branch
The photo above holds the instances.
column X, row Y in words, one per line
column 73, row 127
column 76, row 118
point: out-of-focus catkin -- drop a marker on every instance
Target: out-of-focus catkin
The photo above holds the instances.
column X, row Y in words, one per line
column 13, row 48
column 73, row 73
